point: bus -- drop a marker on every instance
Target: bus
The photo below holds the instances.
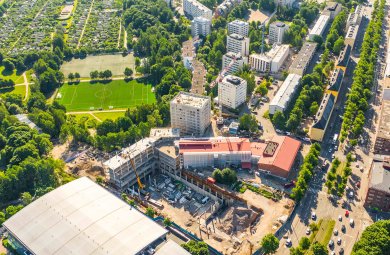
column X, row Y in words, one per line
column 335, row 138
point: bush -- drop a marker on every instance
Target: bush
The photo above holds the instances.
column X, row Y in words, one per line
column 226, row 176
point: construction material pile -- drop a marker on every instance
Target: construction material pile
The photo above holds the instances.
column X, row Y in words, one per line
column 237, row 218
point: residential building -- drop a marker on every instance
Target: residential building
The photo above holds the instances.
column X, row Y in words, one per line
column 351, row 35
column 354, row 18
column 285, row 93
column 238, row 27
column 170, row 134
column 302, row 61
column 382, row 140
column 81, row 217
column 190, row 113
column 232, row 91
column 335, row 82
column 270, row 61
column 218, row 152
column 200, row 26
column 234, row 61
column 332, row 9
column 277, row 157
column 276, row 32
column 188, row 53
column 343, row 59
column 120, row 170
column 238, row 44
column 226, row 6
column 322, row 117
column 198, row 77
column 378, row 193
column 319, row 27
column 195, row 9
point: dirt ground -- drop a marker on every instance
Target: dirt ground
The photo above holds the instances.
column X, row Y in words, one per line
column 257, row 16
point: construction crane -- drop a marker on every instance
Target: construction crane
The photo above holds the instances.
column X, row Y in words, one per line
column 140, row 185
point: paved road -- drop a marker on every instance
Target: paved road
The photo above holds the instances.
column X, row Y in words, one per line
column 316, row 199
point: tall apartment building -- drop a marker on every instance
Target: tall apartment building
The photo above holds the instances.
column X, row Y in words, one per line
column 232, row 91
column 276, row 32
column 195, row 9
column 270, row 61
column 120, row 171
column 190, row 113
column 200, row 26
column 382, row 141
column 238, row 44
column 238, row 27
column 236, row 65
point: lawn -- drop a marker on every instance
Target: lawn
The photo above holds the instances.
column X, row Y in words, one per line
column 87, row 96
column 13, row 76
column 108, row 115
column 20, row 90
column 115, row 63
column 325, row 231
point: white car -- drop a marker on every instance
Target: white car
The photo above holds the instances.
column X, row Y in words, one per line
column 313, row 215
column 339, row 241
column 351, row 222
column 288, row 242
column 340, row 218
column 335, row 232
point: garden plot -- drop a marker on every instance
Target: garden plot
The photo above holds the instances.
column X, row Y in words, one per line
column 38, row 34
column 17, row 19
column 79, row 21
column 101, row 33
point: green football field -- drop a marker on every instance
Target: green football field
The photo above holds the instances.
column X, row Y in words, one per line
column 87, row 96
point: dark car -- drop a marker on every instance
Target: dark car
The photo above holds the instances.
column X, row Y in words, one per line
column 289, row 184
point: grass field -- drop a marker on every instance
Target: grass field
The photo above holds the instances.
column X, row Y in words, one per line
column 116, row 63
column 13, row 76
column 108, row 115
column 87, row 96
column 325, row 231
column 20, row 90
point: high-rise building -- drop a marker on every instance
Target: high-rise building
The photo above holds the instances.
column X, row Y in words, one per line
column 238, row 44
column 234, row 61
column 195, row 9
column 190, row 113
column 276, row 32
column 232, row 91
column 238, row 27
column 200, row 26
column 270, row 61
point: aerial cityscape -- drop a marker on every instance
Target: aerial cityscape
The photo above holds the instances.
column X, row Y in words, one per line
column 195, row 127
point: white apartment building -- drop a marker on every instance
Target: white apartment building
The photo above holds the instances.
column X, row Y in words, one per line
column 232, row 91
column 351, row 35
column 270, row 61
column 195, row 9
column 238, row 44
column 354, row 18
column 190, row 113
column 238, row 27
column 236, row 65
column 276, row 32
column 319, row 27
column 200, row 26
column 285, row 94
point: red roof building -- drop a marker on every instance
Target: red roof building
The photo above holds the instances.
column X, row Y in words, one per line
column 276, row 156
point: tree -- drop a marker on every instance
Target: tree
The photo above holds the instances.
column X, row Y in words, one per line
column 128, row 72
column 338, row 45
column 167, row 222
column 375, row 239
column 196, row 247
column 70, row 76
column 8, row 65
column 26, row 198
column 269, row 244
column 77, row 76
column 99, row 180
column 319, row 249
column 314, row 108
column 304, row 243
column 2, row 217
column 150, row 212
column 94, row 75
column 262, row 89
column 279, row 120
column 248, row 122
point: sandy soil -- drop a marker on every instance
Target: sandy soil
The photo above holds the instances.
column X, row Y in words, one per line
column 257, row 16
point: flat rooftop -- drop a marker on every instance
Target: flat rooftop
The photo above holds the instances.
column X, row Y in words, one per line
column 188, row 49
column 352, row 31
column 237, row 37
column 232, row 79
column 278, row 24
column 304, row 56
column 236, row 56
column 194, row 100
column 379, row 177
column 324, row 112
column 169, row 150
column 164, row 132
column 79, row 218
column 214, row 144
column 384, row 123
column 198, row 77
column 286, row 91
column 279, row 51
column 320, row 25
column 171, row 248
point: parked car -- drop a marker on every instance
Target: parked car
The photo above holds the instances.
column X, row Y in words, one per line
column 341, row 252
column 308, row 231
column 288, row 242
column 340, row 218
column 358, row 185
column 346, row 213
column 343, row 228
column 331, row 243
column 339, row 241
column 335, row 232
column 351, row 222
column 313, row 216
column 289, row 184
